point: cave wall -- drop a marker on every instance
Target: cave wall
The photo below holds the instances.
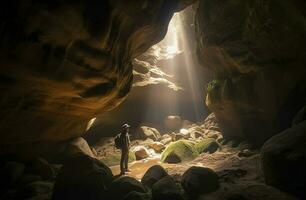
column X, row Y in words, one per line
column 62, row 62
column 257, row 50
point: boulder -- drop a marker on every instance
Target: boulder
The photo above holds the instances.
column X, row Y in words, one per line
column 158, row 147
column 148, row 132
column 78, row 145
column 37, row 188
column 122, row 186
column 283, row 160
column 82, row 177
column 166, row 189
column 141, row 152
column 152, row 175
column 207, row 145
column 29, row 178
column 199, row 180
column 138, row 196
column 173, row 158
column 182, row 149
column 42, row 168
column 173, row 122
column 10, row 173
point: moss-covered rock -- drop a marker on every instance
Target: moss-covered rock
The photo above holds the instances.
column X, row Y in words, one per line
column 183, row 149
column 209, row 145
column 114, row 159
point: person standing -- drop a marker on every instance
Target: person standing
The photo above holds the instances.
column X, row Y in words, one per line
column 125, row 148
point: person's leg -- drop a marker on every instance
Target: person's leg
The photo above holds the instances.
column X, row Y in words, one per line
column 127, row 161
column 122, row 162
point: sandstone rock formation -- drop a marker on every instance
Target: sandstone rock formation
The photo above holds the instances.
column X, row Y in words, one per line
column 64, row 62
column 257, row 52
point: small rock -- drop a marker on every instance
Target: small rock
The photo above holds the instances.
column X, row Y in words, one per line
column 166, row 189
column 141, row 152
column 157, row 146
column 166, row 141
column 195, row 134
column 152, row 175
column 173, row 158
column 122, row 186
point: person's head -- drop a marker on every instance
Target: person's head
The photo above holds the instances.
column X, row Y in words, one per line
column 125, row 127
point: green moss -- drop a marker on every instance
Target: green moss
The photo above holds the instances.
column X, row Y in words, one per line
column 114, row 159
column 184, row 149
column 209, row 145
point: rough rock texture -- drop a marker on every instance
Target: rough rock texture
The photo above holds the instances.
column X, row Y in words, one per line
column 181, row 150
column 283, row 160
column 208, row 145
column 257, row 52
column 141, row 152
column 166, row 189
column 78, row 145
column 122, row 186
column 199, row 180
column 64, row 62
column 152, row 175
column 145, row 132
column 82, row 177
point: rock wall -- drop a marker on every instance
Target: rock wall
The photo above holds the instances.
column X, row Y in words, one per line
column 257, row 50
column 62, row 62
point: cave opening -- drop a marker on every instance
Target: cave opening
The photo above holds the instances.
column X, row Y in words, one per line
column 168, row 82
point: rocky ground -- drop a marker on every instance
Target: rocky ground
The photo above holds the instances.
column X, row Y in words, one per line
column 191, row 163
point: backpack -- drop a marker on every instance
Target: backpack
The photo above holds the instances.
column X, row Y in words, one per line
column 118, row 142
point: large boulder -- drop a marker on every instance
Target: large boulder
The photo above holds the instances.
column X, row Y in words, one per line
column 145, row 132
column 122, row 186
column 141, row 152
column 152, row 175
column 166, row 189
column 259, row 81
column 82, row 177
column 78, row 145
column 181, row 150
column 208, row 145
column 283, row 160
column 199, row 180
column 173, row 122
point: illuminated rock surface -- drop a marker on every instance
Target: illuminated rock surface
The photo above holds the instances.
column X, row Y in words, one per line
column 64, row 62
column 257, row 52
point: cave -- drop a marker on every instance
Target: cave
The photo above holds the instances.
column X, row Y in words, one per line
column 153, row 100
